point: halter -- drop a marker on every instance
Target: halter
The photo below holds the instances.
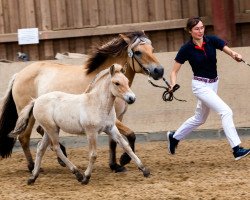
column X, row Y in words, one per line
column 167, row 95
column 131, row 54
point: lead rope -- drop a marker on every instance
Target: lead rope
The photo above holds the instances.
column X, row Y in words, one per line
column 167, row 95
column 245, row 62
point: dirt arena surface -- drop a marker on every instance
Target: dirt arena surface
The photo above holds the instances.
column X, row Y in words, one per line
column 201, row 169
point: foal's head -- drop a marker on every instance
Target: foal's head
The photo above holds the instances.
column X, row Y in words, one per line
column 120, row 84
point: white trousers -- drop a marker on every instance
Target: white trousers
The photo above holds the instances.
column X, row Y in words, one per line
column 206, row 94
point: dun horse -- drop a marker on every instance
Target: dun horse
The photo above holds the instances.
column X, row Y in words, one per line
column 132, row 50
column 89, row 113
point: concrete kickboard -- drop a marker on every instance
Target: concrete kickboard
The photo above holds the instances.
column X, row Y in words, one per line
column 103, row 139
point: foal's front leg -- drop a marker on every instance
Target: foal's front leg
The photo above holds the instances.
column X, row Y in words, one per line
column 92, row 138
column 130, row 135
column 115, row 134
column 125, row 158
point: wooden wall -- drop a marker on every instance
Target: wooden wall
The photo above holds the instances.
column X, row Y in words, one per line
column 74, row 25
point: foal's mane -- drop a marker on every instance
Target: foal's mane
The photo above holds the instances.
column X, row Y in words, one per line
column 99, row 76
column 114, row 48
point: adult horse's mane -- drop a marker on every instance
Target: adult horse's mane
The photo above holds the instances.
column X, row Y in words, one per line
column 114, row 47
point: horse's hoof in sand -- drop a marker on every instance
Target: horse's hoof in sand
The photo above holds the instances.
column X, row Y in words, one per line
column 85, row 180
column 125, row 159
column 31, row 181
column 117, row 168
column 79, row 176
column 61, row 162
column 145, row 172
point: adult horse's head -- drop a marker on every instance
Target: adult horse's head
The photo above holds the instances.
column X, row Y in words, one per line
column 141, row 56
column 132, row 48
column 120, row 84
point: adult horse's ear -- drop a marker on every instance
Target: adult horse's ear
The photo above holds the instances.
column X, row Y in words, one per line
column 125, row 38
column 112, row 70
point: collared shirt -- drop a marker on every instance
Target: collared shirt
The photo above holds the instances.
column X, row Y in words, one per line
column 202, row 59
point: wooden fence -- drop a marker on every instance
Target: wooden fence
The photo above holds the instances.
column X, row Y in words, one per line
column 74, row 25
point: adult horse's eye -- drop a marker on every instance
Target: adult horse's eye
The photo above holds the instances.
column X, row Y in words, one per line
column 137, row 53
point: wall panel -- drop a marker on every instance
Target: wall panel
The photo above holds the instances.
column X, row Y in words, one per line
column 83, row 17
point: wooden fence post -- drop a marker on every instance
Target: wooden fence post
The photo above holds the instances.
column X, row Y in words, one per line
column 223, row 17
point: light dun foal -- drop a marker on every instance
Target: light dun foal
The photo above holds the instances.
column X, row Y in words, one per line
column 89, row 113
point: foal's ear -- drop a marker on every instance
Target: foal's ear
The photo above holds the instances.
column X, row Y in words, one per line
column 125, row 38
column 123, row 70
column 112, row 70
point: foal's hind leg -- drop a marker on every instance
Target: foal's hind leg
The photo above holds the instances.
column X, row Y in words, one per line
column 40, row 130
column 41, row 148
column 24, row 140
column 54, row 137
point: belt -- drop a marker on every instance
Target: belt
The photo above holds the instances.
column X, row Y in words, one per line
column 205, row 80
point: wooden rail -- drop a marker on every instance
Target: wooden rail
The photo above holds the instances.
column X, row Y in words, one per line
column 106, row 30
column 114, row 29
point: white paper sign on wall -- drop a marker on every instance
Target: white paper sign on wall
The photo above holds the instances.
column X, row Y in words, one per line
column 28, row 36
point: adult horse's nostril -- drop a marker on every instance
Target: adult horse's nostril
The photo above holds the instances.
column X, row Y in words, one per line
column 159, row 71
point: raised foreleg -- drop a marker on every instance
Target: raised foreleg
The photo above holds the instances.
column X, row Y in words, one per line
column 125, row 158
column 130, row 135
column 116, row 136
column 120, row 109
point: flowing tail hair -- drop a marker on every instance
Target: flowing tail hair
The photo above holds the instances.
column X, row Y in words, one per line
column 23, row 120
column 8, row 118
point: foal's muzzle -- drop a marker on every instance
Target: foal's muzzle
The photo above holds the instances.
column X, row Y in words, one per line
column 130, row 98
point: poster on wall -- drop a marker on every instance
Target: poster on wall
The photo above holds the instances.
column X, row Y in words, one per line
column 28, row 36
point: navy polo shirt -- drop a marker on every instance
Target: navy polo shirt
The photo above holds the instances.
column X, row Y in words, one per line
column 202, row 59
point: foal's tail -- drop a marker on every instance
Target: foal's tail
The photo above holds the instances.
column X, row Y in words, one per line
column 23, row 120
column 8, row 118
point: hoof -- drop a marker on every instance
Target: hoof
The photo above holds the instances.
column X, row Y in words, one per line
column 79, row 176
column 125, row 159
column 61, row 162
column 31, row 167
column 85, row 180
column 117, row 168
column 31, row 181
column 145, row 172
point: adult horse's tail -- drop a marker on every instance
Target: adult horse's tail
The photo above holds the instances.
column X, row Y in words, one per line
column 8, row 118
